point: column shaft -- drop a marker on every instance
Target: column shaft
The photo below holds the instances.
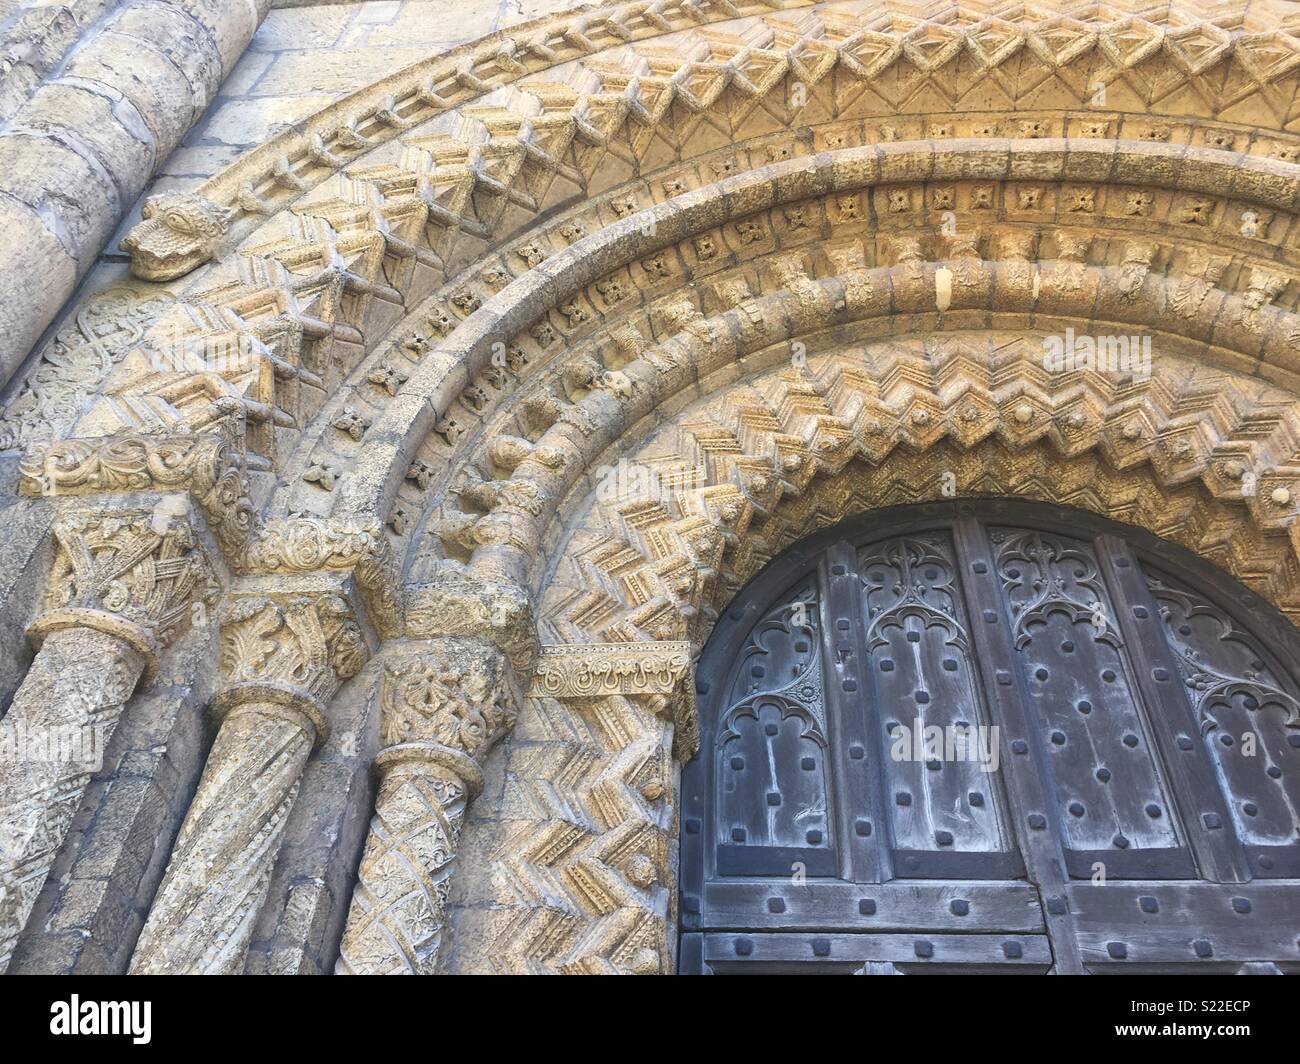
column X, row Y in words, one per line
column 53, row 741
column 215, row 883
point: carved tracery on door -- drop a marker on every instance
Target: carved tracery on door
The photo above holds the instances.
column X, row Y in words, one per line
column 992, row 735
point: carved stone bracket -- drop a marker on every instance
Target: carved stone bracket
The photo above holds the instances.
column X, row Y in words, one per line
column 660, row 671
column 282, row 659
column 125, row 582
column 444, row 705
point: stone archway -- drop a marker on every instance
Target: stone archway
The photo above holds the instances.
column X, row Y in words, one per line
column 792, row 259
column 581, row 875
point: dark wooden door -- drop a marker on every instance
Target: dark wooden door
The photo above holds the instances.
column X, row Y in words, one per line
column 993, row 736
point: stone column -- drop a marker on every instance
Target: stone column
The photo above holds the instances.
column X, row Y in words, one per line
column 444, row 704
column 283, row 657
column 78, row 150
column 125, row 582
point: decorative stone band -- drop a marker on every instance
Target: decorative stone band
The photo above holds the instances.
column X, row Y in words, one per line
column 123, row 584
column 202, row 464
column 659, row 670
column 443, row 709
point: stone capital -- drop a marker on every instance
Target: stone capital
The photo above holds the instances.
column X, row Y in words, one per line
column 203, row 464
column 661, row 673
column 289, row 649
column 133, row 572
column 444, row 704
column 299, row 543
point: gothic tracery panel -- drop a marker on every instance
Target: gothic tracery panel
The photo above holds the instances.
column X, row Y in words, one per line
column 1112, row 804
column 1245, row 708
column 942, row 797
column 987, row 719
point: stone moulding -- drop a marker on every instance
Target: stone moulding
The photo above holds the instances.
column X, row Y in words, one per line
column 599, row 669
column 470, row 348
column 661, row 672
column 803, row 47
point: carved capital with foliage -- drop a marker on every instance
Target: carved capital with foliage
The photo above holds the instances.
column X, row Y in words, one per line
column 136, row 573
column 660, row 672
column 447, row 704
column 292, row 650
column 303, row 544
column 202, row 464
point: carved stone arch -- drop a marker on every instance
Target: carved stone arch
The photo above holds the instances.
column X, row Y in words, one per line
column 400, row 379
column 630, row 572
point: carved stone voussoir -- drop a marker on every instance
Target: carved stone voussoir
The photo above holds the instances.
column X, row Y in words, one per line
column 179, row 233
column 660, row 671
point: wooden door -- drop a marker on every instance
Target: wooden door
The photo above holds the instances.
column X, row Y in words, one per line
column 993, row 736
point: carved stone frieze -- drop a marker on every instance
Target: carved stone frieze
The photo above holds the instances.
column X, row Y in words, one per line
column 76, row 361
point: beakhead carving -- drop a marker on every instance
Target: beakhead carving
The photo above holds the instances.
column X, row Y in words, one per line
column 178, row 234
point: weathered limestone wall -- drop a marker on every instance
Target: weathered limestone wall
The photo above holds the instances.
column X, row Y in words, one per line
column 122, row 83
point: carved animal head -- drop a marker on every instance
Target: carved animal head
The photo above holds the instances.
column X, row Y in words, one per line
column 179, row 233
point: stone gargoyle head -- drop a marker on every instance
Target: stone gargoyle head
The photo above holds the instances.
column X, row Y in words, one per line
column 179, row 233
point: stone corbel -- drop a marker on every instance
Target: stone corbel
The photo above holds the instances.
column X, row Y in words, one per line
column 125, row 582
column 284, row 654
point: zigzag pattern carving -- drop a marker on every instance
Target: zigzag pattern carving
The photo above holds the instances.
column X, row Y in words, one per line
column 293, row 312
column 585, row 866
column 755, row 451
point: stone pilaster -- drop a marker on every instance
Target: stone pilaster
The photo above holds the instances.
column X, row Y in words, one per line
column 125, row 582
column 594, row 896
column 444, row 704
column 283, row 657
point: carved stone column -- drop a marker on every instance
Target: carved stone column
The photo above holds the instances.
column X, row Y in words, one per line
column 125, row 582
column 283, row 657
column 444, row 704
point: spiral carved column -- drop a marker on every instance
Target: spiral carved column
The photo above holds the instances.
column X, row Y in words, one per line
column 284, row 657
column 124, row 584
column 444, row 705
